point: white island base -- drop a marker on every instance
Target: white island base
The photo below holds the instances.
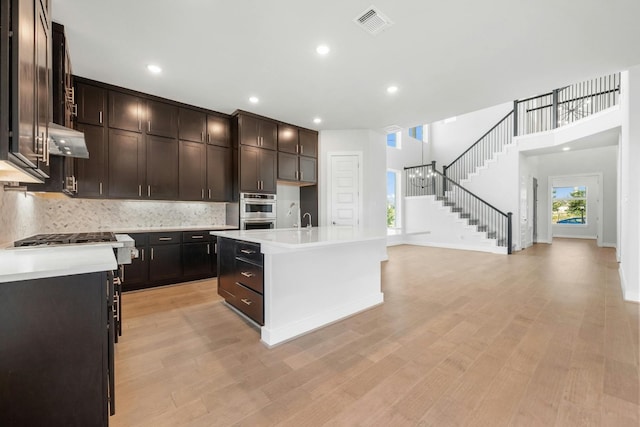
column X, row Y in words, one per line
column 314, row 277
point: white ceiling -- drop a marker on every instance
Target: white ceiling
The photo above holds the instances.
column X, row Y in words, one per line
column 446, row 57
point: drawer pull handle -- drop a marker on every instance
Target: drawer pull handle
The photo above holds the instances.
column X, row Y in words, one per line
column 247, row 251
column 246, row 301
column 197, row 237
column 247, row 274
column 164, row 239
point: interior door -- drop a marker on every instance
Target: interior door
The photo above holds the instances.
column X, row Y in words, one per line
column 345, row 189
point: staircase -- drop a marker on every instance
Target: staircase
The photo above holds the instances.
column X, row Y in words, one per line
column 557, row 108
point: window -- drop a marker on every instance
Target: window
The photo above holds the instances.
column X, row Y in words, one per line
column 393, row 140
column 569, row 206
column 417, row 133
column 393, row 206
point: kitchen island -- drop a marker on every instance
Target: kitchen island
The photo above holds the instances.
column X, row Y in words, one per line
column 293, row 281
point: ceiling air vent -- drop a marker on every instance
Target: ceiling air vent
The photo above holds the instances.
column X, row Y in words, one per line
column 372, row 20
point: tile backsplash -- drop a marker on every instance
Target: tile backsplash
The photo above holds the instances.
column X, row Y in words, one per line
column 24, row 214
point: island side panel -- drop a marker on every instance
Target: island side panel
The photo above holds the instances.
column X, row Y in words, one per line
column 308, row 288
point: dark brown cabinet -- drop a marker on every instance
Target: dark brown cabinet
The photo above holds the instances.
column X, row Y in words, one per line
column 240, row 277
column 197, row 249
column 57, row 352
column 193, row 171
column 136, row 274
column 125, row 111
column 288, row 139
column 307, row 167
column 25, row 85
column 257, row 170
column 192, row 125
column 126, row 165
column 91, row 104
column 165, row 262
column 219, row 174
column 257, row 132
column 162, row 168
column 162, row 119
column 308, row 143
column 93, row 172
column 287, row 166
column 218, row 131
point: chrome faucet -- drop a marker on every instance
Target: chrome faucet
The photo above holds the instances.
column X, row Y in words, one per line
column 309, row 223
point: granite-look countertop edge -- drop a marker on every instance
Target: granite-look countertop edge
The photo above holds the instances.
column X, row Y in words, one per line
column 174, row 228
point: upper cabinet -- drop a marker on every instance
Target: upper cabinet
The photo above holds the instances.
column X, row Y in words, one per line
column 162, row 119
column 91, row 104
column 125, row 111
column 192, row 124
column 288, row 139
column 257, row 132
column 218, row 130
column 308, row 143
column 25, row 86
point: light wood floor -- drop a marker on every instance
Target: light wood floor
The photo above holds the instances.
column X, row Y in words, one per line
column 539, row 338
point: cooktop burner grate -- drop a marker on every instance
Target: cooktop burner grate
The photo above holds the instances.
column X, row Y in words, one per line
column 66, row 239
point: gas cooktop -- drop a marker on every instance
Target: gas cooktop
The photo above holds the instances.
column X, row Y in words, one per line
column 65, row 239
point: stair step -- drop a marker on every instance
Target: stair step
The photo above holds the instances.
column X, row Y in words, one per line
column 492, row 235
column 449, row 204
column 457, row 210
column 482, row 228
column 465, row 216
column 474, row 221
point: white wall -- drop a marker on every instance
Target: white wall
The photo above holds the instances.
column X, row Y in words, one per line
column 580, row 162
column 449, row 140
column 373, row 146
column 629, row 249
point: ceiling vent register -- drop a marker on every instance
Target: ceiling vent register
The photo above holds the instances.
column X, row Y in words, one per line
column 373, row 21
column 392, row 129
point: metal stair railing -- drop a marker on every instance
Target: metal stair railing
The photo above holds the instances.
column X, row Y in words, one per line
column 425, row 180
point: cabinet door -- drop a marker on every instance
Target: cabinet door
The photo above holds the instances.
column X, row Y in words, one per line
column 125, row 111
column 269, row 134
column 218, row 131
column 92, row 172
column 162, row 119
column 249, row 130
column 162, row 168
column 165, row 262
column 43, row 89
column 287, row 139
column 219, row 173
column 287, row 166
column 126, row 164
column 136, row 274
column 192, row 125
column 268, row 170
column 92, row 103
column 249, row 161
column 193, row 170
column 307, row 169
column 308, row 143
column 196, row 259
column 26, row 76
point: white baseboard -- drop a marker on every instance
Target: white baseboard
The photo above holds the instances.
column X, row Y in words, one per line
column 609, row 245
column 288, row 332
column 546, row 242
column 628, row 294
column 395, row 239
column 563, row 236
column 488, row 249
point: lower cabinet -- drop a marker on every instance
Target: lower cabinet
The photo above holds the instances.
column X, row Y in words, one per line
column 56, row 357
column 170, row 257
column 241, row 277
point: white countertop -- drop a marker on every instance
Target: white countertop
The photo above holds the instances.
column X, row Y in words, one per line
column 179, row 228
column 53, row 261
column 294, row 238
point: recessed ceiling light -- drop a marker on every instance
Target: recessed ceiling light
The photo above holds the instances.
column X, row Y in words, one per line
column 154, row 69
column 323, row 49
column 566, row 149
column 254, row 100
column 317, row 120
column 392, row 89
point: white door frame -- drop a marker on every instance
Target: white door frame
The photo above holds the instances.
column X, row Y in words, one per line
column 329, row 188
column 600, row 201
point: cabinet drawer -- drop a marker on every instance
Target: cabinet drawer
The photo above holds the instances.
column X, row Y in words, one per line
column 248, row 302
column 250, row 275
column 164, row 238
column 249, row 251
column 141, row 239
column 196, row 236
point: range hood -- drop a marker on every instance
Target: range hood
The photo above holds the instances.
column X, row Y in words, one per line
column 67, row 142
